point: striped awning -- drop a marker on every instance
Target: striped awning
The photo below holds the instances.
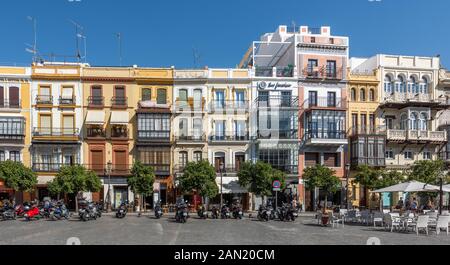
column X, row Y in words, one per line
column 120, row 118
column 95, row 118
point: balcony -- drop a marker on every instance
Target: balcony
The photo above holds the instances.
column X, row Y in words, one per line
column 323, row 73
column 48, row 167
column 190, row 138
column 56, row 134
column 13, row 135
column 369, row 161
column 229, row 137
column 10, row 104
column 280, row 71
column 367, row 131
column 325, row 103
column 190, row 106
column 116, row 169
column 278, row 134
column 401, row 100
column 325, row 138
column 277, row 102
column 67, row 102
column 119, row 102
column 160, row 169
column 228, row 106
column 119, row 133
column 415, row 136
column 44, row 100
column 445, row 155
column 96, row 102
column 96, row 133
column 153, row 136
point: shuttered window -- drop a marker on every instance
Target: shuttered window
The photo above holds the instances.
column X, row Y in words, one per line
column 45, row 124
column 68, row 125
column 311, row 159
column 161, row 96
column 331, row 160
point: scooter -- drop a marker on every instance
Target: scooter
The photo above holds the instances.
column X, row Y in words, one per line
column 32, row 213
column 122, row 211
column 158, row 211
column 202, row 212
column 59, row 212
column 214, row 213
column 8, row 213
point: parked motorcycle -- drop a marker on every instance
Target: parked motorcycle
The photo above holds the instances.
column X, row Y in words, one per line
column 20, row 209
column 158, row 211
column 214, row 213
column 263, row 213
column 87, row 211
column 59, row 211
column 202, row 212
column 237, row 212
column 182, row 213
column 122, row 210
column 8, row 213
column 45, row 209
column 225, row 212
column 32, row 213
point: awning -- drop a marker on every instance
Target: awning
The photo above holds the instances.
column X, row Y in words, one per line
column 231, row 185
column 120, row 117
column 412, row 186
column 95, row 118
column 44, row 180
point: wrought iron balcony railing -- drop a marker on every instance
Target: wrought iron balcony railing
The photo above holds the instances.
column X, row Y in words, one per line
column 96, row 102
column 119, row 102
column 44, row 100
column 277, row 101
column 10, row 104
column 64, row 101
column 52, row 132
column 325, row 102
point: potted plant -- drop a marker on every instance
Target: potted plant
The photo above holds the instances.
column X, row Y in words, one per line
column 324, row 178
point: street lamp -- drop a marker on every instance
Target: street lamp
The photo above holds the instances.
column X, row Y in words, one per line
column 347, row 175
column 108, row 171
column 221, row 184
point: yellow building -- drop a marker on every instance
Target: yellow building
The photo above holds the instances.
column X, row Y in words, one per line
column 15, row 122
column 367, row 139
column 115, row 99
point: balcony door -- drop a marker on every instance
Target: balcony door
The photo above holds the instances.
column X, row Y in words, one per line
column 312, row 97
column 183, row 127
column 219, row 161
column 97, row 160
column 97, row 96
column 14, row 100
column 45, row 124
column 220, row 99
column 68, row 125
column 312, row 67
column 239, row 160
column 331, row 69
column 240, row 98
column 220, row 130
column 198, row 128
column 331, row 99
column 198, row 99
column 240, row 130
column 119, row 94
column 120, row 160
column 45, row 94
column 2, row 97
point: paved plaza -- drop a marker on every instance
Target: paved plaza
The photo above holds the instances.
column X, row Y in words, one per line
column 146, row 230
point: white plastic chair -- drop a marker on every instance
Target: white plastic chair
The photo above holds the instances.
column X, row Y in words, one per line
column 365, row 217
column 442, row 223
column 391, row 221
column 336, row 219
column 422, row 223
column 351, row 216
column 378, row 218
column 445, row 213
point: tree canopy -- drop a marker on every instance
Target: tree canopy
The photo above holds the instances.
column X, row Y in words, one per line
column 258, row 177
column 201, row 177
column 428, row 171
column 142, row 179
column 321, row 177
column 17, row 176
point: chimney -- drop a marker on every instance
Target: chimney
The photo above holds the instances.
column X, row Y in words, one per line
column 326, row 31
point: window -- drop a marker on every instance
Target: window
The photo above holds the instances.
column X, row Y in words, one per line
column 354, row 123
column 388, row 85
column 198, row 99
column 412, row 84
column 219, row 161
column 11, row 127
column 240, row 97
column 371, row 123
column 161, row 96
column 372, row 95
column 363, row 124
column 331, row 69
column 404, row 122
column 389, row 154
column 331, row 99
column 240, row 128
column 311, row 159
column 426, row 155
column 146, row 94
column 423, row 122
column 408, row 155
column 220, row 98
column 362, row 95
column 413, row 122
column 198, row 128
column 198, row 156
column 45, row 94
column 68, row 125
column 312, row 67
column 313, row 39
column 353, row 94
column 14, row 156
column 2, row 97
column 389, row 123
column 183, row 127
column 424, row 86
column 286, row 98
column 312, row 96
column 2, row 156
column 183, row 95
column 220, row 130
column 332, row 159
column 183, row 159
column 153, row 126
column 157, row 157
column 400, row 86
column 45, row 124
column 14, row 98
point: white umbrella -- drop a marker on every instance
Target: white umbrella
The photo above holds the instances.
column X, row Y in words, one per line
column 446, row 188
column 412, row 186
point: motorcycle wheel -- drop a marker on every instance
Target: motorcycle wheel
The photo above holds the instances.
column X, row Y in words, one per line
column 84, row 217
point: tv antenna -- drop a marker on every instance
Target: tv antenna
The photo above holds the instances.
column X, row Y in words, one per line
column 119, row 41
column 78, row 35
column 196, row 56
column 33, row 48
column 293, row 25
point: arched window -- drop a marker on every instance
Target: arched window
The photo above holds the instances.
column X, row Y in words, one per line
column 423, row 124
column 372, row 94
column 387, row 84
column 400, row 86
column 404, row 122
column 412, row 85
column 362, row 95
column 353, row 94
column 424, row 86
column 413, row 122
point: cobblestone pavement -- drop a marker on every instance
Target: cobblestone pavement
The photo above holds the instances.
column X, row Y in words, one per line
column 148, row 231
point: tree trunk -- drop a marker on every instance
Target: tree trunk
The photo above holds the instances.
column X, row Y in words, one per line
column 325, row 204
column 144, row 203
column 76, row 201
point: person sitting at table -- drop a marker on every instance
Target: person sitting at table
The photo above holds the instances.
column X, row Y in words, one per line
column 399, row 204
column 414, row 205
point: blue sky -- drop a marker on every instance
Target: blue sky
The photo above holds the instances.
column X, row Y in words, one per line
column 164, row 33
